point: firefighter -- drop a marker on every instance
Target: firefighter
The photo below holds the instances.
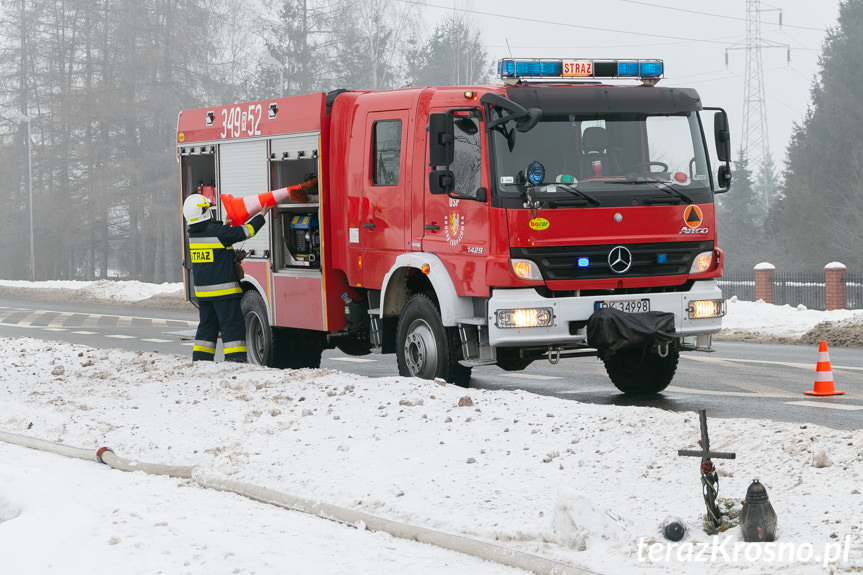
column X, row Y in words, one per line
column 217, row 287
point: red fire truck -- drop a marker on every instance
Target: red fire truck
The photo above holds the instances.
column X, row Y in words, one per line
column 559, row 213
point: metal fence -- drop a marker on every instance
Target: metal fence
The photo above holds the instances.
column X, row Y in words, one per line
column 740, row 284
column 854, row 290
column 804, row 288
column 807, row 288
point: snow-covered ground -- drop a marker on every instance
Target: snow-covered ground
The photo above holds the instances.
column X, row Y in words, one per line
column 587, row 485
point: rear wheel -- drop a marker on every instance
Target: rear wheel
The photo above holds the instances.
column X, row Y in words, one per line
column 640, row 371
column 278, row 347
column 298, row 348
column 259, row 335
column 425, row 348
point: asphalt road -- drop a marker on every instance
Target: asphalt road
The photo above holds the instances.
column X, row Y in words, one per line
column 763, row 381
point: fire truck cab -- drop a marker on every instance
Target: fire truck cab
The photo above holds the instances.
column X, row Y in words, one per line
column 552, row 215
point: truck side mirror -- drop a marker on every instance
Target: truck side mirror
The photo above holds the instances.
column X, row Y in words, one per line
column 441, row 140
column 723, row 177
column 722, row 136
column 441, row 182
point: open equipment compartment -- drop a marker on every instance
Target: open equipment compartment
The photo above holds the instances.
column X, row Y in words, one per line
column 294, row 160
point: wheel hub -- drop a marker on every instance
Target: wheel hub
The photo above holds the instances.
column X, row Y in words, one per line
column 421, row 350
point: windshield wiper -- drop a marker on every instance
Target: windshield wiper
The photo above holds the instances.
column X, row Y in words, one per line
column 578, row 193
column 659, row 185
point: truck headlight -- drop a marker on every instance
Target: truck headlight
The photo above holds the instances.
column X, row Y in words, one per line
column 525, row 317
column 705, row 308
column 702, row 263
column 526, row 269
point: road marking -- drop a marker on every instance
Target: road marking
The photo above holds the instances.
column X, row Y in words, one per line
column 89, row 320
column 55, row 329
column 806, row 366
column 826, row 405
column 60, row 319
column 531, row 376
column 85, row 332
column 157, row 340
column 120, row 336
column 776, row 394
column 353, row 359
column 28, row 320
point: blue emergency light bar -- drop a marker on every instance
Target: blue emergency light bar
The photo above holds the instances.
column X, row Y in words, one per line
column 524, row 68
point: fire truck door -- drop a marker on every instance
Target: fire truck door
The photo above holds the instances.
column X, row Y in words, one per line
column 457, row 230
column 383, row 223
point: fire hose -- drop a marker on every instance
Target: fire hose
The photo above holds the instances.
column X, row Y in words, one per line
column 359, row 519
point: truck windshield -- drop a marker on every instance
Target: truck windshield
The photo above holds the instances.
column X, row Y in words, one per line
column 615, row 159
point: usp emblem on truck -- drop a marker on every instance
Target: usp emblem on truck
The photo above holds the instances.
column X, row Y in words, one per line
column 454, row 228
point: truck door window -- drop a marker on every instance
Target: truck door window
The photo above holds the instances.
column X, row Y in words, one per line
column 671, row 141
column 467, row 161
column 386, row 146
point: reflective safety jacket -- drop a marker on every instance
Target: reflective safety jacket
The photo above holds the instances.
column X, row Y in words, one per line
column 211, row 249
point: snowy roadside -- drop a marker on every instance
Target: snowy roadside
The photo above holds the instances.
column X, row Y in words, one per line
column 588, row 485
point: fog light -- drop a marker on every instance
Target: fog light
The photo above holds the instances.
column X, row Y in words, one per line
column 702, row 263
column 526, row 269
column 705, row 308
column 527, row 317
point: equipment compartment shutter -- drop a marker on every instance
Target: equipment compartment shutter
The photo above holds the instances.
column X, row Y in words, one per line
column 244, row 171
column 305, row 143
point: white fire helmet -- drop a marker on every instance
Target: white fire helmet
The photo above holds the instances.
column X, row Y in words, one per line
column 197, row 209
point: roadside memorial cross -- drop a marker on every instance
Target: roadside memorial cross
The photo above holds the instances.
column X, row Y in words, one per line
column 709, row 477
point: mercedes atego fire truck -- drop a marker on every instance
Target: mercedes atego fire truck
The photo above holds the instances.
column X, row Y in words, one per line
column 566, row 211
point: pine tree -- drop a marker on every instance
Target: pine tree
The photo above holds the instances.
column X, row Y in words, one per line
column 736, row 212
column 454, row 55
column 814, row 220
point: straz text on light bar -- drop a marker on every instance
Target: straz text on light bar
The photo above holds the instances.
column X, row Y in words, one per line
column 578, row 68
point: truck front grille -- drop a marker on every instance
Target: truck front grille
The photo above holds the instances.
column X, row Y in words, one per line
column 559, row 263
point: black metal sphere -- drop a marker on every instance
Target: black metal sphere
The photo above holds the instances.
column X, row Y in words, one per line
column 674, row 531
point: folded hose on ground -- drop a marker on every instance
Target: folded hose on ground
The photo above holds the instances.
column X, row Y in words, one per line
column 461, row 544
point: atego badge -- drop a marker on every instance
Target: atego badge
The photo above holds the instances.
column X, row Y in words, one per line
column 693, row 217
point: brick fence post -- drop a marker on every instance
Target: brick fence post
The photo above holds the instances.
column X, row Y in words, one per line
column 764, row 282
column 834, row 279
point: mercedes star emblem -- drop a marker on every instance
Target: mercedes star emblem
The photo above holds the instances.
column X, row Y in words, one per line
column 619, row 260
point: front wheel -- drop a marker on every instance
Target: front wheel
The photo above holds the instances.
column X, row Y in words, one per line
column 641, row 371
column 425, row 348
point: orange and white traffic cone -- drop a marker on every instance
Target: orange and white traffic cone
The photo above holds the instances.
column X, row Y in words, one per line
column 239, row 210
column 823, row 374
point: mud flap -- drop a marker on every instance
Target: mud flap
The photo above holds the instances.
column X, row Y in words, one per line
column 610, row 330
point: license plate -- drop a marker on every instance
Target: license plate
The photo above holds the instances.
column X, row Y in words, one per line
column 627, row 305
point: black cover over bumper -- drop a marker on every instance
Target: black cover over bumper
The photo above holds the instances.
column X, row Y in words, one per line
column 610, row 330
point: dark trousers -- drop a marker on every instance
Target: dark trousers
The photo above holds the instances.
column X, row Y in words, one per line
column 225, row 316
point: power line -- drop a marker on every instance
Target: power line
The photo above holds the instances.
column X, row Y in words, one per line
column 712, row 15
column 564, row 24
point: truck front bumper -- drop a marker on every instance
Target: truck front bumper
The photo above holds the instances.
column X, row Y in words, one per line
column 570, row 315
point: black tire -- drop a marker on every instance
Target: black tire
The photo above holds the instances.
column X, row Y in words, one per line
column 259, row 334
column 424, row 347
column 298, row 348
column 279, row 347
column 508, row 360
column 353, row 345
column 640, row 371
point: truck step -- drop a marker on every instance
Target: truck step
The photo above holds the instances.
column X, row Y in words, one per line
column 476, row 362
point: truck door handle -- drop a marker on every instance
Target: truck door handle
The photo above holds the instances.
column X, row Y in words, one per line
column 432, row 227
column 369, row 225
